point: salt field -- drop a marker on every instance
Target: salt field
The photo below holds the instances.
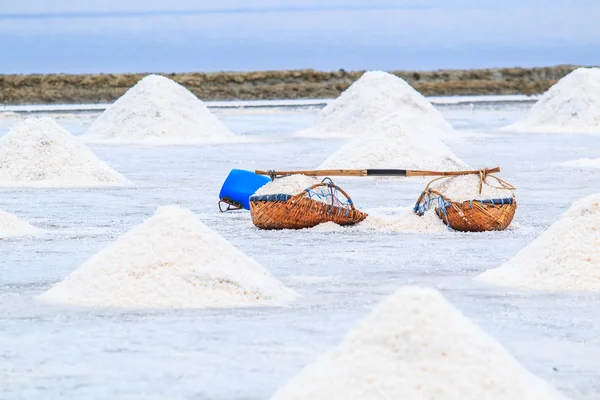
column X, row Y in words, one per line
column 50, row 350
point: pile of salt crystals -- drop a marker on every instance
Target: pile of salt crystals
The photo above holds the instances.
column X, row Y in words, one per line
column 466, row 187
column 171, row 260
column 11, row 226
column 566, row 257
column 38, row 152
column 570, row 105
column 416, row 345
column 373, row 96
column 396, row 141
column 157, row 110
column 292, row 184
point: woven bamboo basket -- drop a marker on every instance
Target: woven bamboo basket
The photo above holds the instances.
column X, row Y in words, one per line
column 283, row 211
column 474, row 215
column 478, row 215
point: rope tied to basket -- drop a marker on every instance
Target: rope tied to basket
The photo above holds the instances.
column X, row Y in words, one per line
column 429, row 195
column 328, row 192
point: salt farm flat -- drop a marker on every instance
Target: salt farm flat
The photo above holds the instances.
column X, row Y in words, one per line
column 56, row 351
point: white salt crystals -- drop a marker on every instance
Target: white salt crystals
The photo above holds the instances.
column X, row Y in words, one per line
column 37, row 152
column 571, row 105
column 566, row 257
column 157, row 111
column 373, row 96
column 416, row 345
column 466, row 187
column 171, row 260
column 11, row 226
column 291, row 185
column 392, row 143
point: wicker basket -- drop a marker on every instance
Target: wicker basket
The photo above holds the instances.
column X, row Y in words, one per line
column 283, row 211
column 470, row 216
column 478, row 215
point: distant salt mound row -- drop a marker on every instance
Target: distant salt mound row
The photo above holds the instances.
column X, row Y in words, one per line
column 171, row 260
column 566, row 257
column 37, row 152
column 416, row 345
column 158, row 110
column 373, row 96
column 291, row 185
column 11, row 226
column 571, row 105
column 391, row 143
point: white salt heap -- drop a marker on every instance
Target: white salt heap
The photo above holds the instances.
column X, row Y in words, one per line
column 374, row 95
column 392, row 143
column 571, row 105
column 38, row 152
column 565, row 257
column 171, row 260
column 416, row 345
column 466, row 188
column 291, row 185
column 158, row 110
column 404, row 219
column 11, row 226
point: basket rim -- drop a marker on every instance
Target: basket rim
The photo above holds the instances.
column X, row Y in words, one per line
column 498, row 201
column 271, row 197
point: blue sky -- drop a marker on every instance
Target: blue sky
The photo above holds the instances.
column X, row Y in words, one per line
column 183, row 35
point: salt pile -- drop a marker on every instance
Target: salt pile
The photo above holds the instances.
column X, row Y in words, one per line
column 566, row 257
column 571, row 105
column 416, row 345
column 404, row 219
column 11, row 226
column 38, row 152
column 466, row 187
column 171, row 260
column 158, row 110
column 390, row 220
column 291, row 185
column 392, row 143
column 373, row 96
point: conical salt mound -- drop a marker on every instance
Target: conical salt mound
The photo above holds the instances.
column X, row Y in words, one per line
column 374, row 95
column 11, row 226
column 416, row 345
column 571, row 105
column 395, row 142
column 37, row 152
column 158, row 110
column 566, row 257
column 171, row 260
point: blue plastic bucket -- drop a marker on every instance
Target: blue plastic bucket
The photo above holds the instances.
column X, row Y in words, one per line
column 240, row 185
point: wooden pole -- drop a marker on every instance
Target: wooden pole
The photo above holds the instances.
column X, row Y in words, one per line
column 374, row 172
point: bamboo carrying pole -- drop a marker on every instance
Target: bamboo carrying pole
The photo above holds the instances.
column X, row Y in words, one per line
column 375, row 172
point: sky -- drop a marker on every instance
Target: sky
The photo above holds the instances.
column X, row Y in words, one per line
column 71, row 36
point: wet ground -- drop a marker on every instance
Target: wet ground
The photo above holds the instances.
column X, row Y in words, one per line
column 52, row 352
